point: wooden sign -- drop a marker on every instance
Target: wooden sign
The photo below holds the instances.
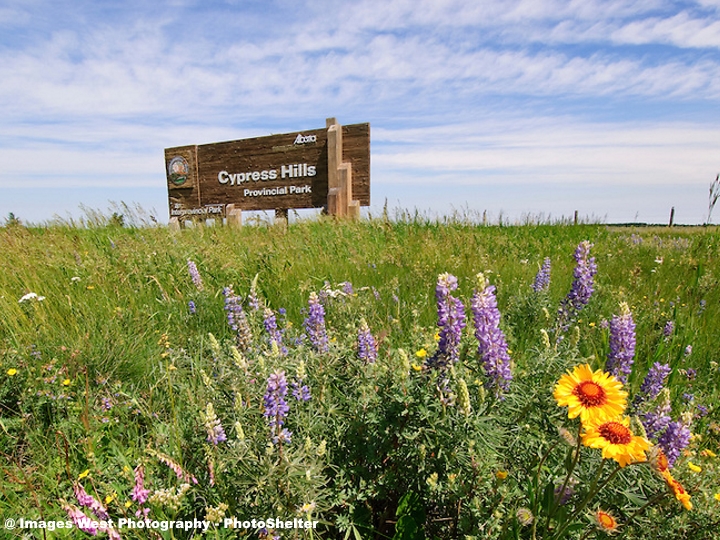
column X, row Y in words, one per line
column 317, row 168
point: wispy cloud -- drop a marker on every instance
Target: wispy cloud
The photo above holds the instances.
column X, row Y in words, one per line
column 468, row 91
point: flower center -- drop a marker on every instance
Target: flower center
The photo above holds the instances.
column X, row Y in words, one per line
column 606, row 521
column 590, row 394
column 615, row 433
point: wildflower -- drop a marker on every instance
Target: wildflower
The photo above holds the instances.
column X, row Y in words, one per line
column 300, row 391
column 215, row 515
column 195, row 275
column 678, row 490
column 708, row 453
column 492, row 346
column 367, row 348
column 693, row 467
column 658, row 460
column 605, row 522
column 501, row 475
column 66, row 382
column 542, row 279
column 215, row 431
column 31, row 296
column 422, row 353
column 83, row 474
column 253, row 300
column 653, row 383
column 674, row 440
column 717, row 497
column 688, row 350
column 615, row 440
column 582, row 287
column 192, row 308
column 622, row 344
column 315, row 324
column 11, row 372
column 236, row 318
column 657, row 420
column 307, row 508
column 176, row 468
column 464, row 397
column 88, row 501
column 568, row 437
column 525, row 516
column 669, row 328
column 451, row 321
column 139, row 493
column 590, row 394
column 276, row 340
column 80, row 520
column 276, row 408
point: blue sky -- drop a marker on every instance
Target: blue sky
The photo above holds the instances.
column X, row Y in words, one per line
column 519, row 107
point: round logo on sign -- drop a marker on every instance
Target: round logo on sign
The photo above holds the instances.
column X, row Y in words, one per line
column 178, row 170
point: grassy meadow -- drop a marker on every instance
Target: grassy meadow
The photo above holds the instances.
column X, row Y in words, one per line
column 126, row 394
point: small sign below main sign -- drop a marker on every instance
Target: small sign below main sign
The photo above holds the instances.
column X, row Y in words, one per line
column 292, row 170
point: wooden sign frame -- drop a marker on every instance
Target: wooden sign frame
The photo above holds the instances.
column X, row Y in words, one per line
column 320, row 168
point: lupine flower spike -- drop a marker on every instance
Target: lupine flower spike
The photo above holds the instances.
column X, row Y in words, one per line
column 195, row 275
column 542, row 279
column 622, row 344
column 492, row 346
column 315, row 324
column 582, row 287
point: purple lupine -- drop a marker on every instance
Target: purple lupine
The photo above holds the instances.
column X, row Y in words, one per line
column 215, row 431
column 271, row 327
column 582, row 287
column 669, row 328
column 253, row 300
column 492, row 345
column 655, row 421
column 347, row 288
column 192, row 308
column 542, row 278
column 276, row 408
column 139, row 493
column 367, row 348
column 315, row 324
column 451, row 320
column 622, row 344
column 674, row 440
column 301, row 392
column 653, row 383
column 88, row 501
column 236, row 318
column 195, row 275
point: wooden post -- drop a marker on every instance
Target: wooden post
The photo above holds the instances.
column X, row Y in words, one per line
column 334, row 145
column 233, row 215
column 672, row 216
column 575, row 219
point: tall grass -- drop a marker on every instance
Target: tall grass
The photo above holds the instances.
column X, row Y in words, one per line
column 115, row 308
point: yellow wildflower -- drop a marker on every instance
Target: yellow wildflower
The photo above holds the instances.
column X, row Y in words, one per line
column 501, row 475
column 422, row 353
column 693, row 467
column 83, row 474
column 11, row 372
column 66, row 382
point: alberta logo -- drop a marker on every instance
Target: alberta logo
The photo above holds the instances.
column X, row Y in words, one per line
column 178, row 169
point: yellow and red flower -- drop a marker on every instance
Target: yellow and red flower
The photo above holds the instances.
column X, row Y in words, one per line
column 590, row 394
column 606, row 522
column 615, row 440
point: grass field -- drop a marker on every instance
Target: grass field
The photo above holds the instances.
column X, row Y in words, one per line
column 123, row 375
